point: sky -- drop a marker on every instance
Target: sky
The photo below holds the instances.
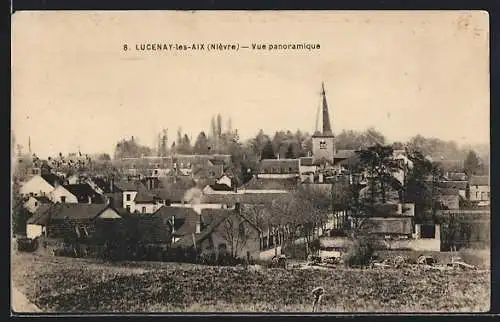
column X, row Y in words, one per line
column 404, row 73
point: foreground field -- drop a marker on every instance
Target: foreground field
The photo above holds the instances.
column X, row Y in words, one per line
column 58, row 284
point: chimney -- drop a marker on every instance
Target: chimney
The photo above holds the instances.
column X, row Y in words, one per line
column 90, row 199
column 198, row 225
column 173, row 224
column 111, row 184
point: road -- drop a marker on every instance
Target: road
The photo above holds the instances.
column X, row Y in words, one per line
column 20, row 304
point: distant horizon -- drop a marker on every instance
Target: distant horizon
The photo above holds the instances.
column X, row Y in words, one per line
column 403, row 73
column 464, row 145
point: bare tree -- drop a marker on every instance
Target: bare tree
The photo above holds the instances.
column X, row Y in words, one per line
column 236, row 234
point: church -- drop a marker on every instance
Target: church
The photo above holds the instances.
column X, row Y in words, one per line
column 325, row 161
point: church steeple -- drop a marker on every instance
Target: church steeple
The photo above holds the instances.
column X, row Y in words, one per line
column 323, row 142
column 327, row 128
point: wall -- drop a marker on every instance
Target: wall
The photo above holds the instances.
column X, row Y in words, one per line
column 251, row 245
column 278, row 175
column 31, row 205
column 150, row 207
column 59, row 192
column 307, row 168
column 109, row 213
column 479, row 193
column 328, row 152
column 422, row 244
column 130, row 202
column 33, row 231
column 36, row 186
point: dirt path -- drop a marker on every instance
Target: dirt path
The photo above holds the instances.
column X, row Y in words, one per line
column 20, row 304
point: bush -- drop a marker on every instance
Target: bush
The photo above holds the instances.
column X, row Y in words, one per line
column 359, row 253
column 26, row 245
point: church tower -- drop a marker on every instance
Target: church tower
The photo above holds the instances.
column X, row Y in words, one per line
column 323, row 143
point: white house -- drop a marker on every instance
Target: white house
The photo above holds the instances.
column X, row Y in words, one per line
column 479, row 190
column 62, row 195
column 33, row 203
column 39, row 185
column 36, row 225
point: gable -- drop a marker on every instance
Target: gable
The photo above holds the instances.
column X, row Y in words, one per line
column 35, row 185
column 109, row 214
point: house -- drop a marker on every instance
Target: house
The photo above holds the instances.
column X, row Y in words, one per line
column 33, row 202
column 183, row 221
column 479, row 190
column 40, row 185
column 223, row 231
column 138, row 199
column 306, row 166
column 129, row 191
column 217, row 188
column 456, row 176
column 146, row 203
column 172, row 189
column 37, row 223
column 75, row 193
column 258, row 184
column 279, row 168
column 77, row 219
column 394, row 227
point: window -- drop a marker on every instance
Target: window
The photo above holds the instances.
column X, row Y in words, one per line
column 322, row 144
column 128, row 208
column 143, row 210
column 36, row 203
column 63, row 199
column 127, row 196
column 290, row 170
column 156, row 171
column 477, row 195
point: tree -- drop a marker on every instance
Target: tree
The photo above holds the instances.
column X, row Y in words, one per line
column 201, row 145
column 185, row 146
column 236, row 233
column 268, row 151
column 219, row 125
column 472, row 163
column 103, row 157
column 125, row 149
column 290, row 153
column 256, row 144
column 380, row 167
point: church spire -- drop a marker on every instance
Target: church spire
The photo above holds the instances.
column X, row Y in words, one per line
column 327, row 128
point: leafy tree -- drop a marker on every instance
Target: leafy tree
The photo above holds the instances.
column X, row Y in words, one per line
column 268, row 151
column 290, row 154
column 380, row 167
column 256, row 144
column 185, row 146
column 126, row 149
column 201, row 145
column 472, row 163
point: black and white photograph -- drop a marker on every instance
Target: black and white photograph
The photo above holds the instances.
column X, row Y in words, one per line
column 312, row 162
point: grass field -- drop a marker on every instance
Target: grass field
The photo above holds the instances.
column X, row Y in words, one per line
column 57, row 284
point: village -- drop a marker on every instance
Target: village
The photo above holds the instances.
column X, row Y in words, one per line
column 318, row 208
